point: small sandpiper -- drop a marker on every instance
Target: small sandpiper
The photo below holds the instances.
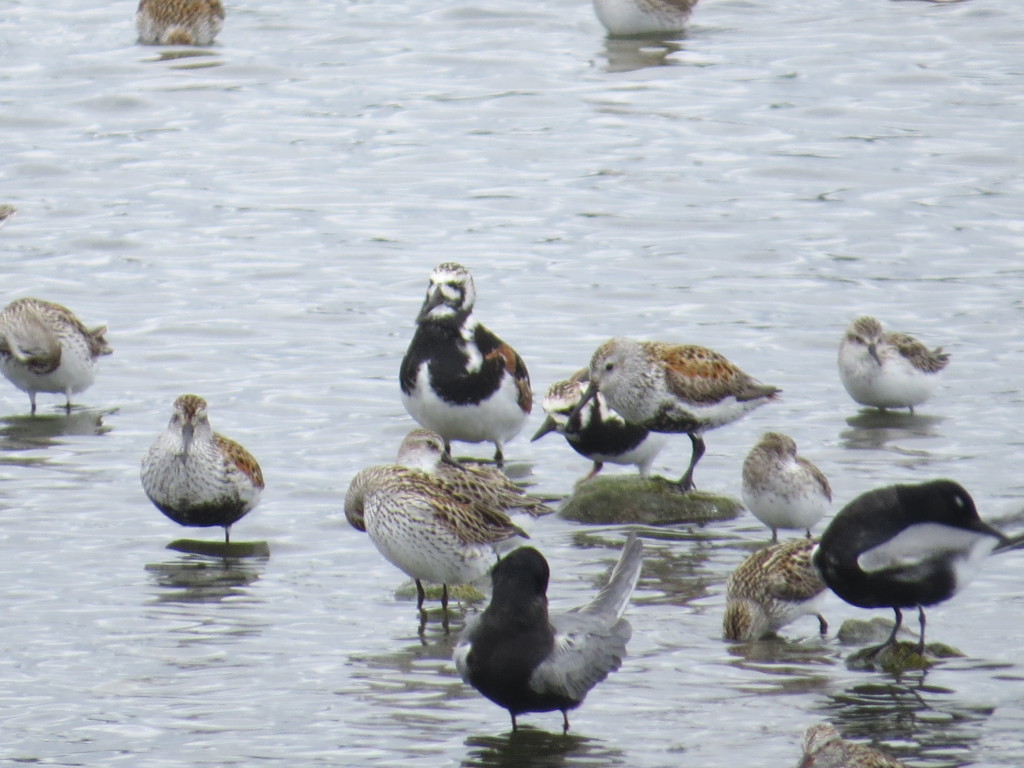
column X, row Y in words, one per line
column 197, row 477
column 771, row 588
column 600, row 434
column 905, row 546
column 45, row 348
column 673, row 388
column 425, row 526
column 887, row 369
column 459, row 379
column 179, row 22
column 473, row 483
column 623, row 18
column 782, row 489
column 825, row 748
column 525, row 660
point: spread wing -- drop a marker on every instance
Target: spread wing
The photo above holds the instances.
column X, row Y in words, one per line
column 586, row 649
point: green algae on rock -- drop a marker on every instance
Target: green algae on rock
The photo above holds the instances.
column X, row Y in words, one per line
column 645, row 500
column 900, row 657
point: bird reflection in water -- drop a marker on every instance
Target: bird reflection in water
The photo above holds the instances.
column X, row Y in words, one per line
column 27, row 433
column 197, row 579
column 627, row 54
column 874, row 429
column 535, row 747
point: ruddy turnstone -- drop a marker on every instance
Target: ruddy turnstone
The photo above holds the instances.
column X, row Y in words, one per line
column 673, row 388
column 772, row 588
column 45, row 348
column 643, row 17
column 427, row 527
column 197, row 477
column 887, row 369
column 424, row 450
column 179, row 22
column 905, row 546
column 599, row 434
column 525, row 660
column 459, row 379
column 825, row 748
column 783, row 490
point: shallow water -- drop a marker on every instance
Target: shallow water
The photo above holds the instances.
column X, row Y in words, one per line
column 256, row 224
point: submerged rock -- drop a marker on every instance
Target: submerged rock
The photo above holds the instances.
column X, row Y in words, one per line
column 460, row 593
column 234, row 549
column 644, row 500
column 900, row 657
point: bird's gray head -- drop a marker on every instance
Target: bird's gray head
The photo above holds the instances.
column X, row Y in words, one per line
column 190, row 417
column 421, row 449
column 866, row 331
column 451, row 294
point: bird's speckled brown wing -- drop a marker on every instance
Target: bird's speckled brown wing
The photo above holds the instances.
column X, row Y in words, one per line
column 241, row 458
column 701, row 375
column 922, row 358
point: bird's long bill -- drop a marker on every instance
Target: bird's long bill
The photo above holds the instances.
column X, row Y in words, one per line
column 434, row 298
column 573, row 424
column 549, row 425
column 187, row 433
column 873, row 351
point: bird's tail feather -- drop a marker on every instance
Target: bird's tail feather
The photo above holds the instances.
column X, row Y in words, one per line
column 614, row 597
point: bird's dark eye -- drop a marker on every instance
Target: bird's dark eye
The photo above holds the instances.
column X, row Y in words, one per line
column 609, row 366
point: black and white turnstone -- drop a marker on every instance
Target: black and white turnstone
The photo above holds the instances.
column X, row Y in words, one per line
column 782, row 489
column 825, row 748
column 197, row 477
column 179, row 22
column 771, row 588
column 428, row 528
column 887, row 369
column 45, row 348
column 673, row 388
column 599, row 433
column 643, row 17
column 905, row 546
column 459, row 379
column 525, row 660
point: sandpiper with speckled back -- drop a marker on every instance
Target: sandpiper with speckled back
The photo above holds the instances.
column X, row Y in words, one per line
column 179, row 22
column 45, row 348
column 426, row 527
column 887, row 369
column 771, row 588
column 673, row 388
column 457, row 378
column 825, row 748
column 198, row 477
column 783, row 489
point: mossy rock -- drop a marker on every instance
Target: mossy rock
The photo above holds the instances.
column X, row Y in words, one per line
column 644, row 500
column 900, row 657
column 460, row 593
column 234, row 549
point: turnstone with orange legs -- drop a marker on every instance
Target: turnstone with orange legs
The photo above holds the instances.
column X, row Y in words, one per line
column 825, row 748
column 673, row 388
column 623, row 18
column 525, row 660
column 197, row 477
column 459, row 379
column 782, row 489
column 428, row 528
column 45, row 348
column 599, row 434
column 424, row 450
column 179, row 22
column 905, row 546
column 771, row 588
column 887, row 369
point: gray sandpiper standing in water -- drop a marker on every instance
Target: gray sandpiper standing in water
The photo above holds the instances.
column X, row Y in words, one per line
column 673, row 388
column 887, row 369
column 782, row 489
column 45, row 348
column 623, row 18
column 197, row 477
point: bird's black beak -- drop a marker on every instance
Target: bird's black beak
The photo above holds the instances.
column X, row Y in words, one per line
column 549, row 425
column 873, row 351
column 573, row 425
column 434, row 298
